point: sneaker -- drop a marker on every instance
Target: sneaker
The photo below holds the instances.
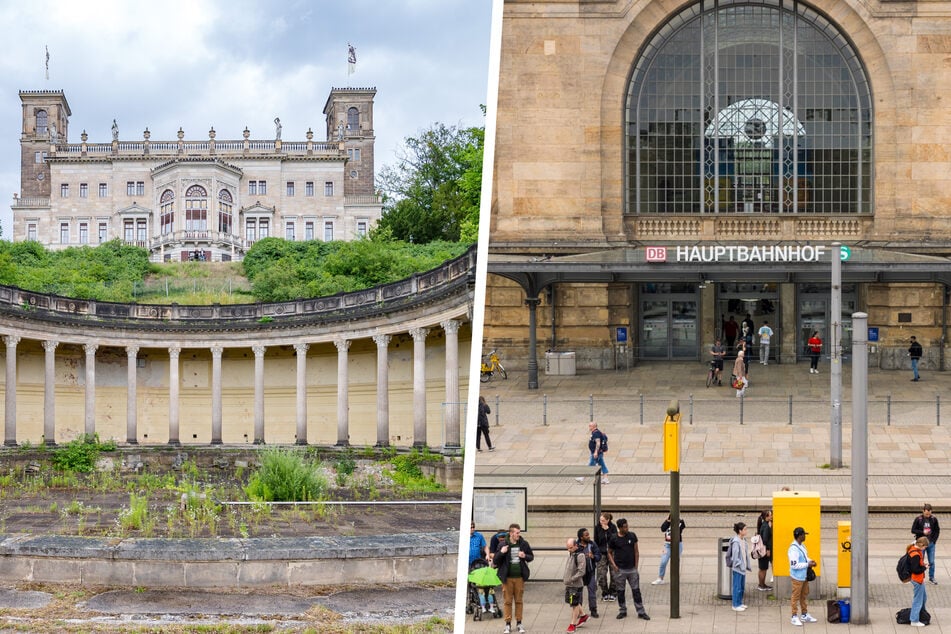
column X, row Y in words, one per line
column 572, row 628
column 917, row 624
column 739, row 608
column 932, row 581
column 764, row 588
column 479, row 450
column 518, row 626
column 605, row 481
column 579, row 479
column 508, row 629
column 608, row 597
column 807, row 618
column 583, row 619
column 658, row 581
column 744, row 606
column 795, row 621
column 484, row 609
column 491, row 448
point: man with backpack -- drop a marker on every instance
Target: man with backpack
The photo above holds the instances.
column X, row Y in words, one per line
column 592, row 556
column 598, row 445
column 574, row 583
column 917, row 566
column 926, row 525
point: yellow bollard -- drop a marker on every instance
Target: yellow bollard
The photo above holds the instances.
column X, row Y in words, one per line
column 845, row 557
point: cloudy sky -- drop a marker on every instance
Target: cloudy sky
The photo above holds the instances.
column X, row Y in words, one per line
column 195, row 64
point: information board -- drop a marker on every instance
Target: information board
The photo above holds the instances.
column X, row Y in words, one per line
column 495, row 508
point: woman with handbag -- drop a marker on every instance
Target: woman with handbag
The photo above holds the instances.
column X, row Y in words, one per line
column 801, row 573
column 739, row 372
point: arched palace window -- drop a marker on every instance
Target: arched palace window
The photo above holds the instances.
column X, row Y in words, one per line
column 167, row 207
column 225, row 203
column 196, row 209
column 748, row 107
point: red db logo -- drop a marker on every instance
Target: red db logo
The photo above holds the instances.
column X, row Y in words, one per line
column 656, row 254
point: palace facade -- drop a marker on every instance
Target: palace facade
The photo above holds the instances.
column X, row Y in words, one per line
column 650, row 152
column 186, row 199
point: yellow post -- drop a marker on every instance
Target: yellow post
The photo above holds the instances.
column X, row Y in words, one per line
column 672, row 443
column 792, row 509
column 845, row 555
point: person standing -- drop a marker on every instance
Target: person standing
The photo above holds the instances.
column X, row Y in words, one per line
column 592, row 556
column 747, row 324
column 740, row 559
column 730, row 330
column 574, row 586
column 665, row 555
column 765, row 334
column 739, row 370
column 917, row 565
column 914, row 351
column 764, row 528
column 926, row 525
column 815, row 349
column 596, row 444
column 718, row 352
column 799, row 565
column 511, row 561
column 602, row 534
column 478, row 548
column 624, row 556
column 482, row 429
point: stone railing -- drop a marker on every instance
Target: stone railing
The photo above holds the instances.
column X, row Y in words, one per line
column 449, row 279
column 227, row 148
column 731, row 227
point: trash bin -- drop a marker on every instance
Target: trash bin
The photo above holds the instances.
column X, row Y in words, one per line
column 724, row 574
column 845, row 611
column 560, row 363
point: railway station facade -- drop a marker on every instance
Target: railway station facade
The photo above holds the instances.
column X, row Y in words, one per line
column 662, row 166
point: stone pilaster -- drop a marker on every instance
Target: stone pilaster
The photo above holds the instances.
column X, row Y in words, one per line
column 259, row 393
column 131, row 420
column 10, row 393
column 343, row 393
column 216, row 410
column 419, row 385
column 382, row 390
column 49, row 393
column 173, row 384
column 90, row 402
column 301, row 350
column 452, row 433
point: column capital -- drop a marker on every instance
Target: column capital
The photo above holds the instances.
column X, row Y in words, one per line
column 259, row 350
column 342, row 344
column 419, row 334
column 451, row 326
column 382, row 341
column 216, row 351
column 174, row 351
column 533, row 301
column 11, row 340
column 132, row 351
column 90, row 348
column 50, row 345
column 301, row 348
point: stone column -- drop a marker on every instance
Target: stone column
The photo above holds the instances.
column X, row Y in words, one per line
column 10, row 393
column 49, row 393
column 216, row 394
column 173, row 385
column 301, row 349
column 382, row 390
column 419, row 385
column 452, row 432
column 259, row 393
column 90, row 349
column 131, row 433
column 343, row 394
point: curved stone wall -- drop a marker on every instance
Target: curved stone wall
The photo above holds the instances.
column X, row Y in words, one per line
column 383, row 366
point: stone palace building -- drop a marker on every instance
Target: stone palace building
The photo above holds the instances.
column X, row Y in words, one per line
column 663, row 165
column 186, row 199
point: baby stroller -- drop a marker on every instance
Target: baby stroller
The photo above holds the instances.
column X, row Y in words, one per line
column 482, row 600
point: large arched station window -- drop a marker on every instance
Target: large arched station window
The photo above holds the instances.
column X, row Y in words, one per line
column 756, row 107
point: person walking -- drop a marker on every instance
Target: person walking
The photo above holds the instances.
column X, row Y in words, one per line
column 914, row 351
column 799, row 567
column 511, row 562
column 574, row 586
column 482, row 429
column 815, row 349
column 739, row 371
column 764, row 528
column 665, row 554
column 926, row 525
column 718, row 352
column 592, row 556
column 602, row 534
column 596, row 445
column 740, row 564
column 917, row 565
column 624, row 556
column 765, row 334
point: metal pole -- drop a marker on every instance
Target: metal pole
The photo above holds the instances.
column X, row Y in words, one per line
column 790, row 409
column 642, row 410
column 690, row 419
column 742, row 399
column 888, row 410
column 675, row 544
column 860, row 468
column 545, row 410
column 591, row 407
column 496, row 410
column 835, row 364
column 937, row 404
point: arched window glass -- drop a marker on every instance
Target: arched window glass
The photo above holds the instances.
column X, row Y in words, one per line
column 167, row 211
column 42, row 122
column 225, row 203
column 740, row 106
column 196, row 208
column 353, row 119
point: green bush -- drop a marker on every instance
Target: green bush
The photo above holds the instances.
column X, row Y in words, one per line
column 80, row 455
column 285, row 476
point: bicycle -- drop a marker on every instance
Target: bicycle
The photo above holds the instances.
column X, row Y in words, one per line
column 713, row 376
column 494, row 366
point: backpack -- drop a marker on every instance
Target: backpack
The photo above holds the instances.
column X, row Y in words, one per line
column 904, row 568
column 604, row 443
column 729, row 556
column 903, row 616
column 758, row 549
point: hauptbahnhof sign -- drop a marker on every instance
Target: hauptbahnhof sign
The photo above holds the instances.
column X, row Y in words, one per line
column 738, row 253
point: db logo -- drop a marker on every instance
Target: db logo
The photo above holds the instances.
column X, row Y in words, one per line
column 656, row 254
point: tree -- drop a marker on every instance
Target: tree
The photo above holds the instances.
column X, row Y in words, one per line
column 433, row 190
